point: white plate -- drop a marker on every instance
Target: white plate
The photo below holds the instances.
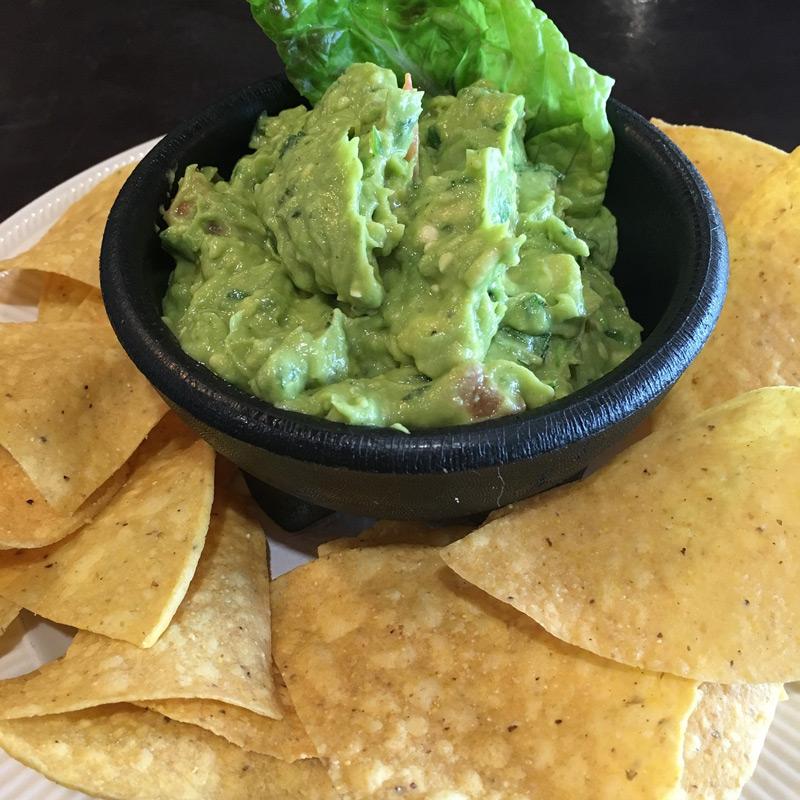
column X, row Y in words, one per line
column 31, row 642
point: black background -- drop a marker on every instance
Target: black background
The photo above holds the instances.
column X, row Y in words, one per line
column 83, row 79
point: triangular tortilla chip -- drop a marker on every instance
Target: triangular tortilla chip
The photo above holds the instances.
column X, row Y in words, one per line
column 390, row 531
column 26, row 520
column 216, row 647
column 60, row 298
column 74, row 407
column 280, row 738
column 72, row 246
column 755, row 341
column 733, row 165
column 125, row 573
column 724, row 738
column 129, row 753
column 411, row 681
column 8, row 613
column 681, row 556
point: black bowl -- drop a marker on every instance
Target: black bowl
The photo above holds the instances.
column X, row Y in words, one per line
column 672, row 270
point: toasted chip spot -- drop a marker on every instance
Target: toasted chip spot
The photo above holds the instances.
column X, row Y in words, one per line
column 144, row 761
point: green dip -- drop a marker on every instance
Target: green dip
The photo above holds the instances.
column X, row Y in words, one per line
column 388, row 259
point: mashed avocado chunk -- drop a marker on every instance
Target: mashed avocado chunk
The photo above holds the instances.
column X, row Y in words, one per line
column 388, row 259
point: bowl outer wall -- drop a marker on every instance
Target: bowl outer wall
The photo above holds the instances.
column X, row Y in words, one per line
column 432, row 474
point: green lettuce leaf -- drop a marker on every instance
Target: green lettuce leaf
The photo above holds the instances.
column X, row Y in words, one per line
column 449, row 44
column 445, row 45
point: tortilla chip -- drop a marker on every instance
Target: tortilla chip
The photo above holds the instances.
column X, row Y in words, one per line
column 74, row 407
column 132, row 754
column 8, row 613
column 228, row 476
column 285, row 738
column 26, row 520
column 72, row 246
column 408, row 679
column 216, row 647
column 65, row 300
column 92, row 309
column 724, row 738
column 733, row 165
column 125, row 573
column 754, row 343
column 682, row 555
column 60, row 298
column 389, row 531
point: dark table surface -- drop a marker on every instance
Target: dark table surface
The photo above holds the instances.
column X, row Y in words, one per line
column 80, row 81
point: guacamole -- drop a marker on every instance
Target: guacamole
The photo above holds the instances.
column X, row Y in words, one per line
column 392, row 259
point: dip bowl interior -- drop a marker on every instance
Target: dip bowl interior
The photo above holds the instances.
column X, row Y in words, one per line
column 671, row 269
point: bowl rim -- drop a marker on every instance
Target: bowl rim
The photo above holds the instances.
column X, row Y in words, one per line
column 637, row 382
